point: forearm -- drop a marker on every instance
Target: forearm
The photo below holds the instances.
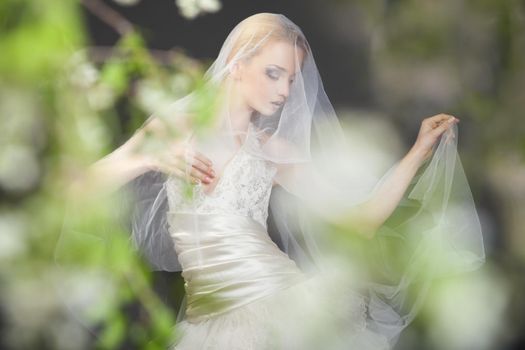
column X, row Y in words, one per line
column 364, row 218
column 374, row 212
column 116, row 170
column 112, row 171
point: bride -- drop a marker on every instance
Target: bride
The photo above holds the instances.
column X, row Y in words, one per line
column 272, row 126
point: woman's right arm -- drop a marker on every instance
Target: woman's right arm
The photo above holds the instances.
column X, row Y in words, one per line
column 120, row 166
column 128, row 162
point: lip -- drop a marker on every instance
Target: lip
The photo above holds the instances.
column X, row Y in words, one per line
column 278, row 104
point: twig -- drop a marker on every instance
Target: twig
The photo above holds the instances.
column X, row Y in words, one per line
column 100, row 54
column 109, row 16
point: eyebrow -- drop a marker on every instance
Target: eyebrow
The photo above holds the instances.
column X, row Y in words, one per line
column 281, row 68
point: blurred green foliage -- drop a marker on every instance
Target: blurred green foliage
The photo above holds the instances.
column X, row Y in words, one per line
column 59, row 101
column 59, row 107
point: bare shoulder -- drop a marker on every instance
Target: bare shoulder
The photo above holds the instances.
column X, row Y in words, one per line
column 279, row 145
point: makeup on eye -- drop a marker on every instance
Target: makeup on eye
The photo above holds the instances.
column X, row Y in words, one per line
column 274, row 72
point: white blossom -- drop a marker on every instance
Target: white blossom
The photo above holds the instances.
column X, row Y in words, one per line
column 151, row 97
column 84, row 75
column 12, row 236
column 100, row 96
column 209, row 5
column 192, row 8
column 19, row 168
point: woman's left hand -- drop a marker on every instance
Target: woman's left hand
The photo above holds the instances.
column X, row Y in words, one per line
column 429, row 133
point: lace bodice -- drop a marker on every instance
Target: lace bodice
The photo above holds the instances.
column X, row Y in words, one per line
column 243, row 188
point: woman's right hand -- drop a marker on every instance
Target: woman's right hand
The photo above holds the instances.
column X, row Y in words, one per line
column 175, row 157
column 184, row 162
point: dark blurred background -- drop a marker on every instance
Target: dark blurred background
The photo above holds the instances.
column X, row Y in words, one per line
column 78, row 77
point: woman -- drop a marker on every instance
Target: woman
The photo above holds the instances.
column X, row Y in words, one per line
column 274, row 125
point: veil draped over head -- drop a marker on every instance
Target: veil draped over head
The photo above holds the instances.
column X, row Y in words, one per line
column 434, row 232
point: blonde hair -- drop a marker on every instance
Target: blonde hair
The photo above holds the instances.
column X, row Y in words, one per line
column 259, row 29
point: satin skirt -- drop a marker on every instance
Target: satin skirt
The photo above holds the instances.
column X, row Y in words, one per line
column 243, row 292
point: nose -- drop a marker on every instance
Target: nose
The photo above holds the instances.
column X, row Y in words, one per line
column 284, row 89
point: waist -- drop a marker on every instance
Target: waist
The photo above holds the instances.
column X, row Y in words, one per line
column 227, row 261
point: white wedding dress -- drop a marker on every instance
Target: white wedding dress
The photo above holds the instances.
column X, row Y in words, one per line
column 242, row 291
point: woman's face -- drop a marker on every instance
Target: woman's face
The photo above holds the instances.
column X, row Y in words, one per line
column 265, row 80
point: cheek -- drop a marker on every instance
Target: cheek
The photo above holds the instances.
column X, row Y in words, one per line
column 258, row 89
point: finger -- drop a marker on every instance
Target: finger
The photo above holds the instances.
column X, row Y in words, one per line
column 443, row 126
column 203, row 158
column 191, row 172
column 203, row 166
column 197, row 165
column 180, row 174
column 437, row 120
column 199, row 161
column 433, row 122
column 441, row 117
column 204, row 170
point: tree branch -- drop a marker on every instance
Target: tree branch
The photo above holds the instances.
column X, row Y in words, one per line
column 109, row 16
column 100, row 54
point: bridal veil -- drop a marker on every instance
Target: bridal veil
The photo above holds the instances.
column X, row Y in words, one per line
column 434, row 232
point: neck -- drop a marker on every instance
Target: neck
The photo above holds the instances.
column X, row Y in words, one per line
column 237, row 110
column 239, row 117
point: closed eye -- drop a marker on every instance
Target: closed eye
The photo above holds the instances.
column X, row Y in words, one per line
column 273, row 74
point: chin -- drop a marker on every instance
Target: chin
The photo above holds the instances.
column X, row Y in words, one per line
column 268, row 112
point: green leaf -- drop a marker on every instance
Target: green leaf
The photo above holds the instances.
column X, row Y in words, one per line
column 115, row 75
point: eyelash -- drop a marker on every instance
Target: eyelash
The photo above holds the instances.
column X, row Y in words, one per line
column 273, row 77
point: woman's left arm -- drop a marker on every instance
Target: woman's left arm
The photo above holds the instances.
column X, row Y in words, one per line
column 373, row 213
column 368, row 216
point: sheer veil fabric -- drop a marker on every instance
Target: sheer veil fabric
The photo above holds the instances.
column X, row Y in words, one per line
column 438, row 231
